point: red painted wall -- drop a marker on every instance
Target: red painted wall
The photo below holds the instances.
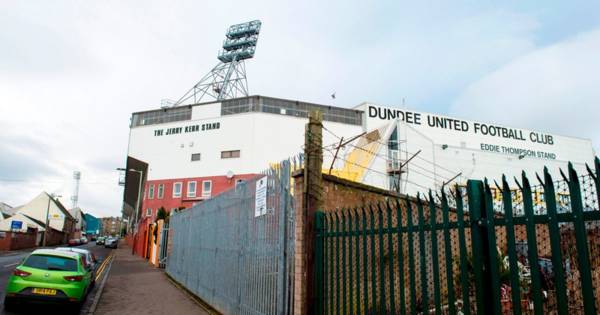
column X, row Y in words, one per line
column 219, row 185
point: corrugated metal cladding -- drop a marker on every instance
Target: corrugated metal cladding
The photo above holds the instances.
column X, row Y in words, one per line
column 161, row 116
column 238, row 259
column 290, row 108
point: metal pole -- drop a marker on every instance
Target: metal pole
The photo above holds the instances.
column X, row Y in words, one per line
column 46, row 227
column 137, row 208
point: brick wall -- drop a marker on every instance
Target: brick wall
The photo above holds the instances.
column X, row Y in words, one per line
column 343, row 194
column 56, row 238
column 14, row 241
column 339, row 193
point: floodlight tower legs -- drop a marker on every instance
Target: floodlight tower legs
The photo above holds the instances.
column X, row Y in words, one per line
column 226, row 83
column 228, row 78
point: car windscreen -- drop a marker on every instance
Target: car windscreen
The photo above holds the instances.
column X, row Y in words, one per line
column 48, row 262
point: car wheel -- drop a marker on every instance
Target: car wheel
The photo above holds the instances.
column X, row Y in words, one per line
column 75, row 308
column 9, row 304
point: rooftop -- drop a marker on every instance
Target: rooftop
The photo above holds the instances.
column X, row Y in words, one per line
column 256, row 103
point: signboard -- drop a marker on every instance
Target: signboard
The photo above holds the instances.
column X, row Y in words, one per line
column 186, row 129
column 16, row 225
column 260, row 200
column 489, row 138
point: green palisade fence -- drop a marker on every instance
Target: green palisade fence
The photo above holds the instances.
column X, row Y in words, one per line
column 483, row 248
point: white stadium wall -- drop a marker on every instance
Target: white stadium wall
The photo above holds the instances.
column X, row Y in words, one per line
column 465, row 147
column 448, row 146
column 262, row 138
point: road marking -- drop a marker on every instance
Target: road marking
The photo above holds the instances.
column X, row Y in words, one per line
column 10, row 265
column 103, row 266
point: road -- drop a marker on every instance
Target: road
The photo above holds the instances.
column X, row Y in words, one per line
column 9, row 261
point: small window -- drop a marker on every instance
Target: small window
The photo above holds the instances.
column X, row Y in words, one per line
column 177, row 190
column 191, row 189
column 148, row 212
column 161, row 191
column 195, row 157
column 230, row 154
column 151, row 192
column 206, row 188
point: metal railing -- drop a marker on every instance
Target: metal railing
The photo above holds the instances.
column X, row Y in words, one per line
column 422, row 256
column 163, row 246
column 235, row 254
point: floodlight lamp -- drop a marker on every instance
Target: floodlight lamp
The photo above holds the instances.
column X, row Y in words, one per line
column 240, row 42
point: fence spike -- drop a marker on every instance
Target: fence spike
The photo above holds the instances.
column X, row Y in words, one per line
column 539, row 178
column 590, row 172
column 577, row 208
column 486, row 184
column 518, row 184
column 572, row 173
column 597, row 179
column 498, row 186
column 555, row 242
column 373, row 260
column 564, row 176
column 511, row 250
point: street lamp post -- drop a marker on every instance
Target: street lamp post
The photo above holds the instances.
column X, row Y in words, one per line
column 137, row 204
column 51, row 196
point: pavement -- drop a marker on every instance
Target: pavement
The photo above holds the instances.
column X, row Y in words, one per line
column 135, row 287
column 9, row 260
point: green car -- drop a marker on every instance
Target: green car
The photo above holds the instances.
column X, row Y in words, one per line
column 51, row 276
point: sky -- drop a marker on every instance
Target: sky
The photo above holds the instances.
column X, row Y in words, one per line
column 72, row 72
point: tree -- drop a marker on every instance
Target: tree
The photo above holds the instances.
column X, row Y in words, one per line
column 162, row 214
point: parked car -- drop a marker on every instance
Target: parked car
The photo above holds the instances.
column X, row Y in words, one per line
column 50, row 276
column 100, row 240
column 84, row 240
column 74, row 242
column 111, row 242
column 89, row 259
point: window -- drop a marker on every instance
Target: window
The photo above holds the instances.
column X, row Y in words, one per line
column 230, row 154
column 148, row 212
column 290, row 108
column 46, row 262
column 161, row 191
column 161, row 116
column 195, row 157
column 177, row 190
column 191, row 189
column 151, row 192
column 206, row 188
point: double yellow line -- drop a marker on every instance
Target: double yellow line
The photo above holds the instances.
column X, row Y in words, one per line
column 103, row 265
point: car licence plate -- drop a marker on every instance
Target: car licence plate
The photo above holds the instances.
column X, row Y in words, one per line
column 44, row 291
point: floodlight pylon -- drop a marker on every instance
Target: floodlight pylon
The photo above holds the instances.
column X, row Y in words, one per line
column 228, row 78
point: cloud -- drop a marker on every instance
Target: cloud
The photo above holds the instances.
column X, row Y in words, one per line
column 73, row 72
column 554, row 88
column 22, row 159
